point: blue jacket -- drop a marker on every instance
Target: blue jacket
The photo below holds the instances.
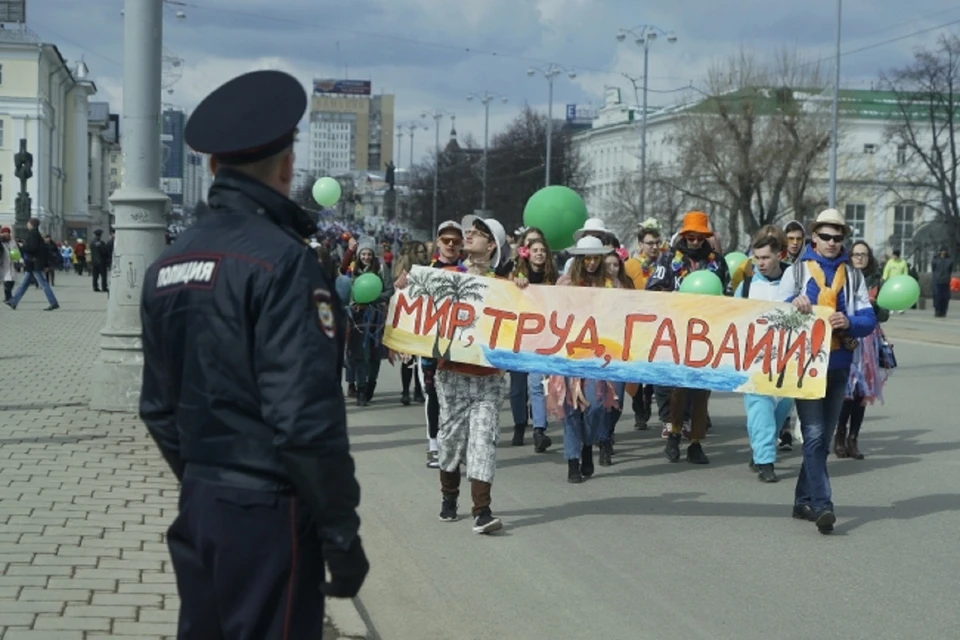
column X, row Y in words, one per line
column 859, row 310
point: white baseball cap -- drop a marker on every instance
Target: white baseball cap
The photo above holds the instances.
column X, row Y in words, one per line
column 449, row 224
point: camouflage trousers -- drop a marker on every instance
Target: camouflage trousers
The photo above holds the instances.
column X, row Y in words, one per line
column 469, row 422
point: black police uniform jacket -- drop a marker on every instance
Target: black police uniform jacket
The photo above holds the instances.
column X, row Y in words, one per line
column 242, row 355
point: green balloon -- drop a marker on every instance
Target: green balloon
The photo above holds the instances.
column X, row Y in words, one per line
column 367, row 288
column 326, row 191
column 15, row 254
column 899, row 293
column 558, row 211
column 734, row 259
column 704, row 283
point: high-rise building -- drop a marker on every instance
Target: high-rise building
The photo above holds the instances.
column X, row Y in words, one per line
column 193, row 180
column 350, row 129
column 174, row 152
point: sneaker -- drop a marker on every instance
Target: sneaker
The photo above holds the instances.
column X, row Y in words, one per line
column 752, row 464
column 672, row 450
column 695, row 454
column 486, row 523
column 786, row 438
column 433, row 460
column 448, row 509
column 766, row 473
column 640, row 422
column 541, row 441
column 824, row 521
column 10, row 304
column 665, row 430
column 405, row 399
column 804, row 512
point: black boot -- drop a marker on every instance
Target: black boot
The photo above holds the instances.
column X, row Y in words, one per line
column 672, row 450
column 586, row 462
column 518, row 431
column 405, row 398
column 371, row 387
column 362, row 397
column 606, row 454
column 541, row 441
column 573, row 472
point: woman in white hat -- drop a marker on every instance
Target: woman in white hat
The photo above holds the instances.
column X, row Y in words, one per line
column 593, row 227
column 585, row 402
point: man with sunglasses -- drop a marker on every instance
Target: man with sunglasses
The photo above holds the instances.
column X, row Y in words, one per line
column 692, row 252
column 471, row 396
column 824, row 276
column 449, row 245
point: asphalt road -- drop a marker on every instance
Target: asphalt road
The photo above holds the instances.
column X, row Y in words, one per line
column 653, row 550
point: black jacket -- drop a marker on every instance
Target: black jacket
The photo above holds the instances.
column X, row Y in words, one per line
column 36, row 249
column 242, row 344
column 942, row 268
column 96, row 252
column 666, row 278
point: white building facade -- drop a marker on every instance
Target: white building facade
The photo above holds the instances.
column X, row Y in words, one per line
column 44, row 101
column 868, row 169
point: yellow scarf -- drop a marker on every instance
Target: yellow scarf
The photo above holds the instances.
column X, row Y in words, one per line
column 828, row 295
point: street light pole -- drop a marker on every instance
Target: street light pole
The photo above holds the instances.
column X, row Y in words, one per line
column 550, row 72
column 835, row 116
column 437, row 116
column 486, row 99
column 399, row 147
column 643, row 36
column 139, row 205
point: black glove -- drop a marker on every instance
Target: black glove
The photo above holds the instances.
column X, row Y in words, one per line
column 347, row 570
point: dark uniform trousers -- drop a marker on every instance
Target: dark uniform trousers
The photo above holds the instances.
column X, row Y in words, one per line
column 99, row 272
column 249, row 564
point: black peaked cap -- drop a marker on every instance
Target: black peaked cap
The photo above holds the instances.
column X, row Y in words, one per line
column 249, row 118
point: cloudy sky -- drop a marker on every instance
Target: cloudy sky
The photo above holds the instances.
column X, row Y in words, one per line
column 432, row 53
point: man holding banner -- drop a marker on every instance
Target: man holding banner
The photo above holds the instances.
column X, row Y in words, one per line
column 823, row 275
column 471, row 396
column 692, row 253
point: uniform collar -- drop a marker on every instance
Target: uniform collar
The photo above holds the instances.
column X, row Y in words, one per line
column 235, row 191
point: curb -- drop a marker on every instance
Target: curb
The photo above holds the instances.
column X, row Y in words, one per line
column 346, row 619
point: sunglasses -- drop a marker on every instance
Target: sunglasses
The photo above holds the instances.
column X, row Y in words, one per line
column 827, row 237
column 478, row 232
column 451, row 242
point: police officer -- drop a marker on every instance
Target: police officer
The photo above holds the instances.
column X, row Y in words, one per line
column 242, row 349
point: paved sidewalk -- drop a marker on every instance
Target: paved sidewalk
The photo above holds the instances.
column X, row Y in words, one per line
column 85, row 498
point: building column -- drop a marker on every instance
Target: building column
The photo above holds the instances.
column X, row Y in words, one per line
column 79, row 164
column 96, row 181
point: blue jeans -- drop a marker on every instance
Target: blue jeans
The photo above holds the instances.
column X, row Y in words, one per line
column 818, row 419
column 583, row 428
column 518, row 397
column 538, row 400
column 25, row 282
column 765, row 415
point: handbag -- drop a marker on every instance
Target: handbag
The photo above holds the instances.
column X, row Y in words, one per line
column 888, row 358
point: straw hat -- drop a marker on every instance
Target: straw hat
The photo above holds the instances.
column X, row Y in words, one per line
column 830, row 217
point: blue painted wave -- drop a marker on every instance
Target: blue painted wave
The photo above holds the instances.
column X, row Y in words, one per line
column 668, row 375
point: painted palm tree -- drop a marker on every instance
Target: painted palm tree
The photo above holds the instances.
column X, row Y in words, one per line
column 790, row 322
column 463, row 289
column 436, row 288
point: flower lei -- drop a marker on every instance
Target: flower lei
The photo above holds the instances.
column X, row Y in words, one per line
column 622, row 254
column 680, row 269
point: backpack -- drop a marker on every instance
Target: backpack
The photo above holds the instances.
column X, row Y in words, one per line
column 850, row 288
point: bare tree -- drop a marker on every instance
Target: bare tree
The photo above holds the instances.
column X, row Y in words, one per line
column 515, row 170
column 927, row 96
column 750, row 147
column 664, row 201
